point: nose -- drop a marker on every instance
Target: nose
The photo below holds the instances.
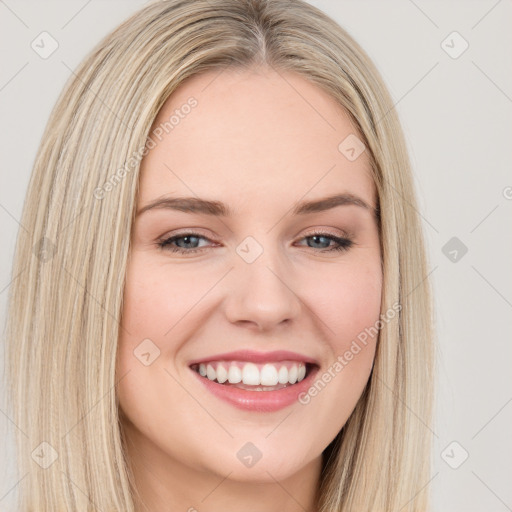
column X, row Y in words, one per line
column 261, row 294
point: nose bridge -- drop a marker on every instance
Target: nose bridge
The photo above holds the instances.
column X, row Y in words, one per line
column 261, row 293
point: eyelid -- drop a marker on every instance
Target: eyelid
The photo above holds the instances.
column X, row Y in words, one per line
column 340, row 233
column 186, row 231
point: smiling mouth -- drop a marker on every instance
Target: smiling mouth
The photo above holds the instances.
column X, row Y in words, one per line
column 250, row 376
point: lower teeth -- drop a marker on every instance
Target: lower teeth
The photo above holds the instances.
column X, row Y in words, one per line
column 248, row 387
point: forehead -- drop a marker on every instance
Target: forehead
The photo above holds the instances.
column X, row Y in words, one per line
column 240, row 134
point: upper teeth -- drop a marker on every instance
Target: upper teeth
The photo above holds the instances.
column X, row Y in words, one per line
column 268, row 374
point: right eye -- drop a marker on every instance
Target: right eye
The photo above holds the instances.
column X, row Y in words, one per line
column 189, row 238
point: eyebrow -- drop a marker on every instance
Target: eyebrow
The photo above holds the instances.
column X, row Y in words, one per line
column 217, row 208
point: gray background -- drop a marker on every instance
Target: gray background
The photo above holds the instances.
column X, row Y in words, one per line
column 456, row 113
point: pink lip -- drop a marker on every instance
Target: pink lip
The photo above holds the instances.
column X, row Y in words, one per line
column 256, row 357
column 259, row 401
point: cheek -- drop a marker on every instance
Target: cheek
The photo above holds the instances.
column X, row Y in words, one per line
column 155, row 300
column 146, row 316
column 348, row 307
column 351, row 311
column 349, row 302
column 148, row 394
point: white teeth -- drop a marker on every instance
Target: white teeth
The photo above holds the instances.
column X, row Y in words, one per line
column 292, row 375
column 210, row 372
column 302, row 372
column 222, row 374
column 234, row 374
column 269, row 375
column 251, row 375
column 283, row 375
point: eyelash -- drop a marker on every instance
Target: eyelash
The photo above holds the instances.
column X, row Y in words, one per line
column 344, row 244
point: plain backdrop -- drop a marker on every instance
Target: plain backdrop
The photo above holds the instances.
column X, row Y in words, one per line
column 455, row 104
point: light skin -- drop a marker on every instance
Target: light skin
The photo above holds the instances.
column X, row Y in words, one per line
column 260, row 142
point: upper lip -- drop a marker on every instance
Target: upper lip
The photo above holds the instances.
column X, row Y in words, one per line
column 256, row 357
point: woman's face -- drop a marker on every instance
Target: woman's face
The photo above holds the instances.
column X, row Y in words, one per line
column 250, row 286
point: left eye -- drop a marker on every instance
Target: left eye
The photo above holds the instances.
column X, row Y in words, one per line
column 188, row 242
column 189, row 238
column 341, row 244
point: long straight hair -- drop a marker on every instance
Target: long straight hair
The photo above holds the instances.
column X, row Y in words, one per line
column 70, row 263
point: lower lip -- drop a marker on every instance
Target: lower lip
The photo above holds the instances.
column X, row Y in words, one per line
column 259, row 401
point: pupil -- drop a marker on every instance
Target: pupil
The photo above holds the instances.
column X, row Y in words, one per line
column 316, row 237
column 187, row 239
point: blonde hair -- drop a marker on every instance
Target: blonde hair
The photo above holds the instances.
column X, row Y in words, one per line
column 66, row 301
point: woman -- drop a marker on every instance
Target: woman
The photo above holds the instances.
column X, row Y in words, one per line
column 222, row 300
